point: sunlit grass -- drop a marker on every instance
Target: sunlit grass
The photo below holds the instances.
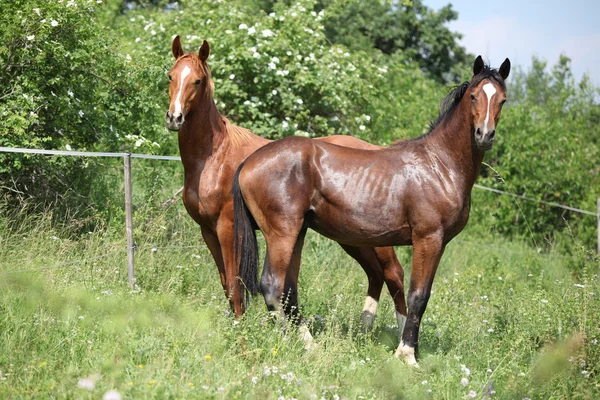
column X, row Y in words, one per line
column 503, row 322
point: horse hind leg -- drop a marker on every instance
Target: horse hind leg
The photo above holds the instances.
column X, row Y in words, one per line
column 279, row 281
column 367, row 259
column 394, row 279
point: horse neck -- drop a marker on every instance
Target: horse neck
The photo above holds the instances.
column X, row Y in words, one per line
column 453, row 143
column 202, row 135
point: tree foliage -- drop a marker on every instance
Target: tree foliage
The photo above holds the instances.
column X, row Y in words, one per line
column 93, row 76
column 548, row 149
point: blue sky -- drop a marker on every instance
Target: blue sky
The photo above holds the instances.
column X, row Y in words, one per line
column 520, row 29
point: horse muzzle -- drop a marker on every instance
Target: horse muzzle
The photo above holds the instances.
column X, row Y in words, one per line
column 174, row 122
column 484, row 140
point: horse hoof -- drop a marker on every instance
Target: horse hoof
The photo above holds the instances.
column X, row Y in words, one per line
column 407, row 354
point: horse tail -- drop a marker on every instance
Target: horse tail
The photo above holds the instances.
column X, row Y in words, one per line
column 246, row 246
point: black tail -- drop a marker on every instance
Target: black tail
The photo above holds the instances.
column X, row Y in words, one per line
column 246, row 246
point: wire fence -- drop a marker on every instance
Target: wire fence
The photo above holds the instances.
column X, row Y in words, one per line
column 131, row 246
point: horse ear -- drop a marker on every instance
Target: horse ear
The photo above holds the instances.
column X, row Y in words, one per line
column 176, row 48
column 204, row 51
column 504, row 69
column 478, row 65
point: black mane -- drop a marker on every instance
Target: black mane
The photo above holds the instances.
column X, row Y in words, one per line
column 452, row 100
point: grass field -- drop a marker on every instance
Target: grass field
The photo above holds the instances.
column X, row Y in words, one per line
column 504, row 321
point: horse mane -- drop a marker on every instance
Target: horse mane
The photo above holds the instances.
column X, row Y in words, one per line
column 450, row 103
column 237, row 134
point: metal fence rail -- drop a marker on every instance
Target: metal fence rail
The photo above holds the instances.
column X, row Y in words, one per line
column 128, row 194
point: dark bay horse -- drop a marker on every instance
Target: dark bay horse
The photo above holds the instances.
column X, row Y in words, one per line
column 416, row 192
column 211, row 150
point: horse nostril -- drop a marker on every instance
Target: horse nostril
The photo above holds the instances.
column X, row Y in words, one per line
column 168, row 116
column 478, row 132
column 492, row 134
column 179, row 118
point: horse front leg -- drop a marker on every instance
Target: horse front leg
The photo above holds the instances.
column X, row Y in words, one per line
column 232, row 285
column 427, row 252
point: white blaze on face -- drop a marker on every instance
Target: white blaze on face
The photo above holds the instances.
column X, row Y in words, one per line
column 489, row 90
column 186, row 71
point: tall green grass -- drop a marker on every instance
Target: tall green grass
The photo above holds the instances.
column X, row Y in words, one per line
column 504, row 321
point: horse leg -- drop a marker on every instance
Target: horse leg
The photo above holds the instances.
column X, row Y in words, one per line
column 394, row 279
column 427, row 252
column 367, row 259
column 212, row 241
column 232, row 285
column 279, row 280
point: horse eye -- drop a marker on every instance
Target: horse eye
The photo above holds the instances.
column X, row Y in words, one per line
column 473, row 99
column 502, row 102
column 197, row 82
column 170, row 78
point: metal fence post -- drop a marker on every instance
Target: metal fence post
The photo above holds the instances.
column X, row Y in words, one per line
column 129, row 220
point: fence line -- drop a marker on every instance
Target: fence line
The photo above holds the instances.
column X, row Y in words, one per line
column 177, row 158
column 548, row 203
column 128, row 195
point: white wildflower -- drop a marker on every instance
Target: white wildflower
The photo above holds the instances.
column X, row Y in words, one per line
column 274, row 92
column 137, row 40
column 464, row 381
column 81, row 113
column 68, row 147
column 86, row 383
column 267, row 33
column 362, row 127
column 243, row 26
column 30, row 37
column 251, row 30
column 299, row 101
column 111, row 395
column 284, row 125
column 37, row 11
column 53, row 22
column 544, row 301
column 472, row 394
column 232, row 76
column 272, row 65
column 464, row 369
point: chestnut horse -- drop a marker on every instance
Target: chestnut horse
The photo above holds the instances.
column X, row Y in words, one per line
column 416, row 192
column 211, row 149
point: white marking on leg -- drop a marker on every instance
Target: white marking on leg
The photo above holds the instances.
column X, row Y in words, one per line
column 489, row 90
column 186, row 71
column 369, row 311
column 406, row 353
column 272, row 301
column 401, row 321
column 306, row 337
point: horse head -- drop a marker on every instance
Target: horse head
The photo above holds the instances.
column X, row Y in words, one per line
column 189, row 81
column 488, row 94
